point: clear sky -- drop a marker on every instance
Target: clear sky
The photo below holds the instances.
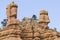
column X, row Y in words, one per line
column 26, row 8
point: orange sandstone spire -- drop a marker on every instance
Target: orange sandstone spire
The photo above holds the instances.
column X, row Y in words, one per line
column 11, row 12
column 44, row 19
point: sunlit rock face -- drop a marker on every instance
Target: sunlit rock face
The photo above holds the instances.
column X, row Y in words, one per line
column 28, row 28
column 57, row 38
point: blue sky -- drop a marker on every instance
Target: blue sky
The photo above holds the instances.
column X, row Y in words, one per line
column 26, row 8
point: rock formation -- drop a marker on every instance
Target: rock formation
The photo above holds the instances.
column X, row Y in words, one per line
column 28, row 28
